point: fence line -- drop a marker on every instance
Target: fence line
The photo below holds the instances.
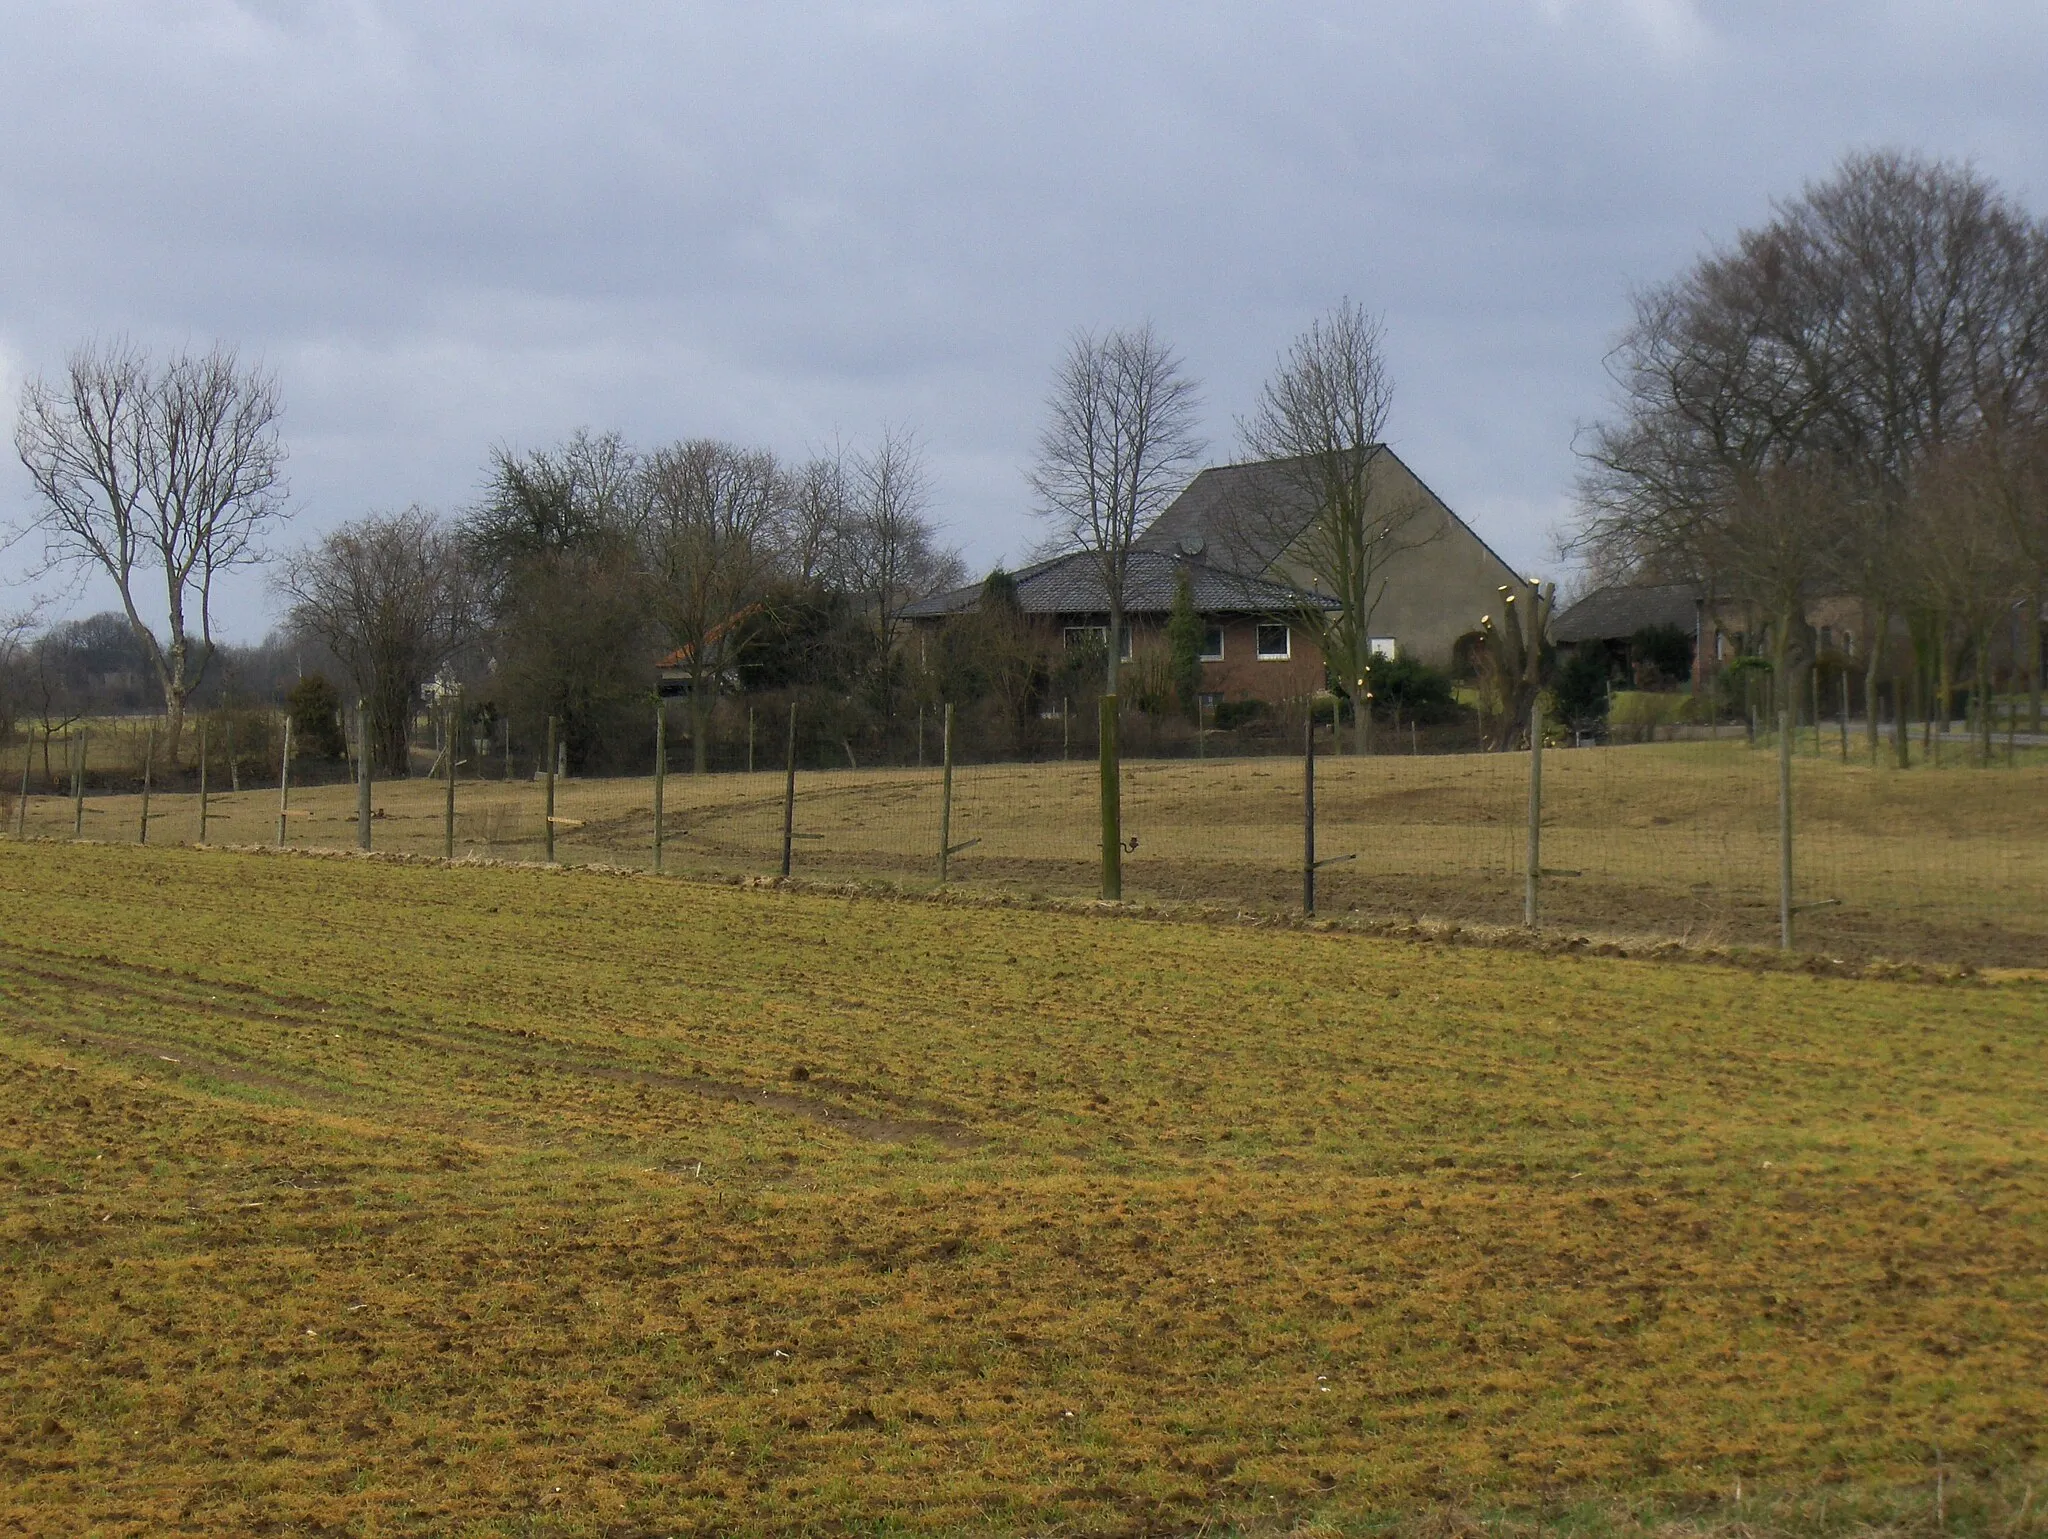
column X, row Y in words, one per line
column 1789, row 842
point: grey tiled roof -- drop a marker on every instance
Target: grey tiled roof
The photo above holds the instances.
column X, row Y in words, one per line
column 1072, row 585
column 1242, row 517
column 1608, row 614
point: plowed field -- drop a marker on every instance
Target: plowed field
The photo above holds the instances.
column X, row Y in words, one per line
column 346, row 1196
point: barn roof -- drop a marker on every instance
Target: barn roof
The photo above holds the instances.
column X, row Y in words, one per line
column 1613, row 613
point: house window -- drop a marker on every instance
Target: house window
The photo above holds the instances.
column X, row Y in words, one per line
column 1087, row 635
column 1212, row 644
column 1384, row 646
column 1274, row 642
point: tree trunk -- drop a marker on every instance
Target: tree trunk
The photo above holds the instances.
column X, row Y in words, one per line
column 1873, row 655
column 700, row 723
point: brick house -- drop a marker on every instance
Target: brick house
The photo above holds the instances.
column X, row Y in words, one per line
column 1239, row 532
column 1254, row 646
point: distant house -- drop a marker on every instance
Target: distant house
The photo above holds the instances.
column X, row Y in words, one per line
column 1254, row 646
column 1238, row 531
column 1254, row 518
column 1608, row 618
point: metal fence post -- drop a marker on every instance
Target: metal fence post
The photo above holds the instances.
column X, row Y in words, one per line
column 1785, row 826
column 284, row 781
column 362, row 776
column 1308, row 814
column 148, row 769
column 660, row 774
column 1535, row 858
column 789, row 791
column 548, row 779
column 1112, row 804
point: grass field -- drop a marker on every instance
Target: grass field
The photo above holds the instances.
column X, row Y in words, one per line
column 349, row 1196
column 1679, row 840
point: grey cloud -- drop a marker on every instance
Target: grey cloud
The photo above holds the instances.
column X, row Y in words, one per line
column 447, row 226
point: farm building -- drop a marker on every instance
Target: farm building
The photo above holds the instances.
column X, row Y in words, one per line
column 1239, row 532
column 1253, row 644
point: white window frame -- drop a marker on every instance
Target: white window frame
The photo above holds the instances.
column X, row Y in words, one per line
column 1286, row 641
column 1383, row 648
column 1205, row 655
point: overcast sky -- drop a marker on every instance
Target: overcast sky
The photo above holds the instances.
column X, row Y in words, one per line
column 455, row 225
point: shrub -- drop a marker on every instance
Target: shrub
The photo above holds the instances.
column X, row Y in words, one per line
column 315, row 708
column 1580, row 688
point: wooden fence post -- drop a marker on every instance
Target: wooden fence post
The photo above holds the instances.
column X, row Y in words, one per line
column 451, row 710
column 789, row 791
column 234, row 764
column 202, row 780
column 28, row 760
column 945, row 786
column 1785, row 825
column 148, row 771
column 1112, row 803
column 284, row 781
column 1308, row 814
column 660, row 774
column 1535, row 857
column 548, row 776
column 362, row 776
column 78, row 788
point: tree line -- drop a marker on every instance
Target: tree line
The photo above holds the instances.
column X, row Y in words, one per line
column 1847, row 401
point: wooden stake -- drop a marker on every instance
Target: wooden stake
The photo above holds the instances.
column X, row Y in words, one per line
column 1112, row 803
column 945, row 787
column 28, row 760
column 362, row 776
column 234, row 764
column 202, row 780
column 1845, row 715
column 284, row 781
column 148, row 768
column 1308, row 814
column 1535, row 854
column 1785, row 826
column 78, row 788
column 549, row 774
column 449, row 709
column 789, row 791
column 661, row 771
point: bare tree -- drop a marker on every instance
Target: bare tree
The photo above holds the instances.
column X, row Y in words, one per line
column 391, row 598
column 716, row 520
column 1322, row 417
column 555, row 547
column 890, row 553
column 821, row 503
column 1118, row 444
column 1892, row 309
column 1971, row 569
column 173, row 470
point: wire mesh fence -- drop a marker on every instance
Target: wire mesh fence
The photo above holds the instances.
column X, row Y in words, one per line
column 1682, row 839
